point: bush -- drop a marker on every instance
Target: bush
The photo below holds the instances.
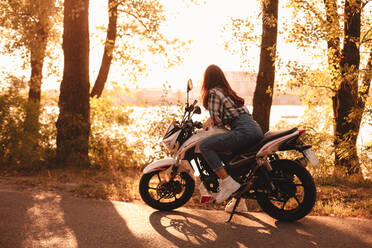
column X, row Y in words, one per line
column 121, row 136
column 108, row 138
column 317, row 121
column 150, row 125
column 11, row 119
column 20, row 149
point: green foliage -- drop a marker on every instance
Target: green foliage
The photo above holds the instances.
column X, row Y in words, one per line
column 121, row 136
column 129, row 136
column 150, row 125
column 11, row 115
column 108, row 138
column 140, row 38
column 366, row 151
column 317, row 121
column 324, row 82
column 243, row 37
column 15, row 149
column 26, row 22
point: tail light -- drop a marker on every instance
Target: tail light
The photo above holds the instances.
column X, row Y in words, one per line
column 301, row 132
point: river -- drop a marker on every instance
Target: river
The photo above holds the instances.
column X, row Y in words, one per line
column 291, row 114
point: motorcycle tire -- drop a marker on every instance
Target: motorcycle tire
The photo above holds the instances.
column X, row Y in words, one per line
column 304, row 207
column 149, row 199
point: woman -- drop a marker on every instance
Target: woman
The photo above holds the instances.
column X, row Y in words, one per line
column 226, row 108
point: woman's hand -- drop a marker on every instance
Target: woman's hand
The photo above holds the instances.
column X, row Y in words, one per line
column 208, row 123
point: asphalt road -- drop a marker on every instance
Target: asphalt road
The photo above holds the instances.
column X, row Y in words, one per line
column 50, row 219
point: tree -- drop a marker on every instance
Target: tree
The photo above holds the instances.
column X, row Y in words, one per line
column 263, row 94
column 346, row 96
column 349, row 92
column 108, row 50
column 138, row 32
column 31, row 25
column 245, row 41
column 73, row 124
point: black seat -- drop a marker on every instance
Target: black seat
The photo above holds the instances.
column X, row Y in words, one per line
column 269, row 136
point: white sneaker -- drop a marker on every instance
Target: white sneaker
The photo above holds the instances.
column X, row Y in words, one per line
column 242, row 206
column 227, row 187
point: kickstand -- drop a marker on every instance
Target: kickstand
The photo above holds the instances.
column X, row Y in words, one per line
column 233, row 211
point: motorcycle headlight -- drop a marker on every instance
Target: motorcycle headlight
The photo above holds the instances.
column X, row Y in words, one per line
column 171, row 141
column 171, row 129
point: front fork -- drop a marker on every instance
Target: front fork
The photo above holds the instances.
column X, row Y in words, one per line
column 178, row 167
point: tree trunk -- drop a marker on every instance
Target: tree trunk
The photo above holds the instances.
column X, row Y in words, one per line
column 346, row 97
column 333, row 42
column 73, row 124
column 363, row 92
column 333, row 55
column 366, row 84
column 109, row 47
column 263, row 94
column 34, row 94
column 31, row 123
column 37, row 47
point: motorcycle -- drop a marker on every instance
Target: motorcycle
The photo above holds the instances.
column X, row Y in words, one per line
column 283, row 188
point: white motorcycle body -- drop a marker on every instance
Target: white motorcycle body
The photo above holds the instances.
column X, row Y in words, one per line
column 196, row 139
column 161, row 164
column 169, row 183
column 192, row 143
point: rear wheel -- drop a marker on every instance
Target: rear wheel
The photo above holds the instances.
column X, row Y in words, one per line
column 295, row 192
column 163, row 194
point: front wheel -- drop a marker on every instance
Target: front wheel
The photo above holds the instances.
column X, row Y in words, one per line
column 294, row 195
column 163, row 194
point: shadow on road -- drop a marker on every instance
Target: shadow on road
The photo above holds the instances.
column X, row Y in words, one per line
column 185, row 229
column 47, row 219
column 12, row 226
column 97, row 224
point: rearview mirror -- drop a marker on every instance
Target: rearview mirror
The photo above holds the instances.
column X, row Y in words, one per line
column 189, row 85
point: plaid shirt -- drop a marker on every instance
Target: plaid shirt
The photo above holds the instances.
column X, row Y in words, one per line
column 222, row 109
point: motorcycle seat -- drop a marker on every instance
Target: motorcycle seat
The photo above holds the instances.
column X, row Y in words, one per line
column 269, row 136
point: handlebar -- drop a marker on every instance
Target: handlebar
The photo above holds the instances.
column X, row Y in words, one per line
column 198, row 124
column 189, row 112
column 191, row 107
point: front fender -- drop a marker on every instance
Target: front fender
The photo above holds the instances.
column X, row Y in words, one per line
column 162, row 165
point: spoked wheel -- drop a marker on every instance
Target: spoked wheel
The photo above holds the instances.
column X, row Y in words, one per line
column 163, row 194
column 295, row 192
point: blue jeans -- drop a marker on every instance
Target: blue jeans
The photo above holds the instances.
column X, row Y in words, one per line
column 245, row 132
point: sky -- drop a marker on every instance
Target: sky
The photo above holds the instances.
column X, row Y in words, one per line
column 202, row 24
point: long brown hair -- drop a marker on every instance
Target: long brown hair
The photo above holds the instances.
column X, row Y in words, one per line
column 215, row 78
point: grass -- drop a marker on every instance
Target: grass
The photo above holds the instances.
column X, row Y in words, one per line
column 336, row 196
column 347, row 197
column 92, row 183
